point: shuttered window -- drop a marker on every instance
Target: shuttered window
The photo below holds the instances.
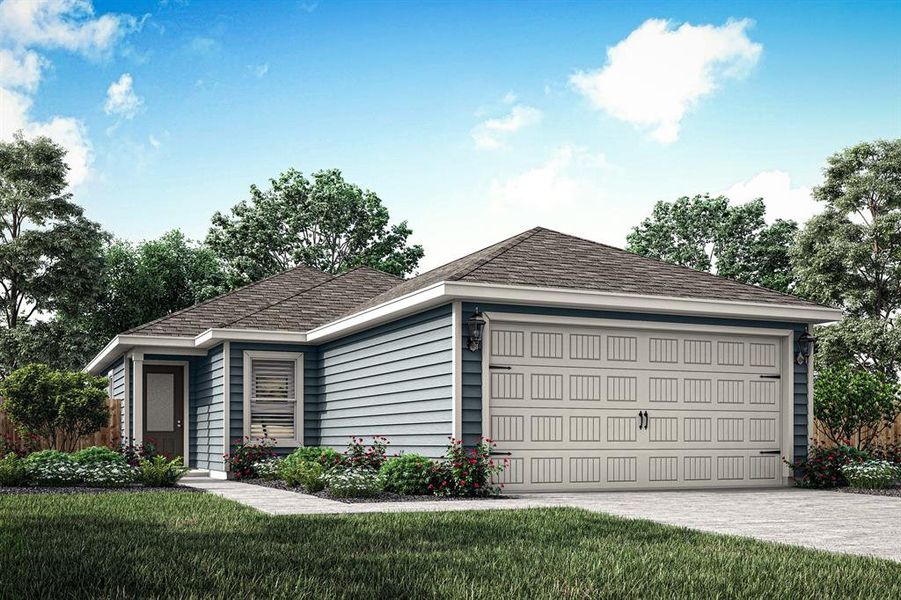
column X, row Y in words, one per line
column 273, row 398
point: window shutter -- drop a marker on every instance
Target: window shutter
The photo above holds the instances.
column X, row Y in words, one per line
column 273, row 398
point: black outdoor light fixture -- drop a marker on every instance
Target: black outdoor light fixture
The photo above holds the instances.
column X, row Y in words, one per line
column 475, row 324
column 805, row 343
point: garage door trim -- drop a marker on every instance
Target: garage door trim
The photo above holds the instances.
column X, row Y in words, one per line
column 787, row 367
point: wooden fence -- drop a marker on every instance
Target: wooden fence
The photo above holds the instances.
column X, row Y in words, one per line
column 107, row 436
column 889, row 437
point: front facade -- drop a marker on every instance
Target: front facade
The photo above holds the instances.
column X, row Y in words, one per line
column 595, row 370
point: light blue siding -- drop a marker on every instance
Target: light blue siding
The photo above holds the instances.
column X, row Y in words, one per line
column 310, row 388
column 472, row 361
column 206, row 410
column 117, row 385
column 393, row 380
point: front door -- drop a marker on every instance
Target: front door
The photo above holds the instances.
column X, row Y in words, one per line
column 164, row 402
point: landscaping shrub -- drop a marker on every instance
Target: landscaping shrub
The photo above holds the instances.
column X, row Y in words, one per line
column 873, row 474
column 52, row 467
column 98, row 454
column 159, row 471
column 823, row 466
column 889, row 452
column 308, row 474
column 59, row 406
column 851, row 403
column 267, row 469
column 12, row 470
column 134, row 454
column 106, row 474
column 407, row 474
column 359, row 456
column 353, row 483
column 247, row 451
column 21, row 446
column 469, row 472
column 327, row 457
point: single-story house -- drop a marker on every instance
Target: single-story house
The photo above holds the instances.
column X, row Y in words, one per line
column 590, row 367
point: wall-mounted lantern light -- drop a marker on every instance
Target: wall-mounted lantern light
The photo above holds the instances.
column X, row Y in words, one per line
column 804, row 345
column 475, row 324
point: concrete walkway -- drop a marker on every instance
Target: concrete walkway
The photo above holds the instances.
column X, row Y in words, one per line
column 833, row 521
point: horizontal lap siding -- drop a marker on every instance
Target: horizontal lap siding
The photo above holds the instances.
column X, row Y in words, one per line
column 393, row 380
column 117, row 384
column 310, row 388
column 472, row 361
column 207, row 410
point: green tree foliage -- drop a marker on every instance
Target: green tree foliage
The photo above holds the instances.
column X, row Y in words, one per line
column 850, row 255
column 50, row 253
column 59, row 406
column 150, row 280
column 853, row 405
column 64, row 342
column 710, row 234
column 327, row 223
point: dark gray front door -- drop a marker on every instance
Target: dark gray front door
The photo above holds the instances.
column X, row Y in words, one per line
column 164, row 404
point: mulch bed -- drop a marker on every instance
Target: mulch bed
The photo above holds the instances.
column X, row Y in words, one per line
column 380, row 497
column 18, row 491
column 892, row 491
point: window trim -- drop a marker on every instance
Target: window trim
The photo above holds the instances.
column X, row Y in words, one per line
column 297, row 357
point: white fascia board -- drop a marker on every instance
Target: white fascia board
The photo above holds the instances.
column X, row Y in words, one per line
column 590, row 299
column 211, row 337
column 427, row 297
column 123, row 342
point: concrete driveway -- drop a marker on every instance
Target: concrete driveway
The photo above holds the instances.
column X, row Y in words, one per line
column 833, row 521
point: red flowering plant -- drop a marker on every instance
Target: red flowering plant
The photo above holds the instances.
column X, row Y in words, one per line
column 20, row 446
column 823, row 466
column 245, row 452
column 468, row 471
column 135, row 453
column 360, row 456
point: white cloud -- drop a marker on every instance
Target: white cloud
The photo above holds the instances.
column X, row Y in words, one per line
column 783, row 201
column 490, row 134
column 658, row 73
column 28, row 26
column 204, row 45
column 121, row 98
column 259, row 70
column 153, row 141
column 509, row 98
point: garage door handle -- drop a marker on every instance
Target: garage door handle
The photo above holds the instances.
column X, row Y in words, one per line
column 771, row 376
column 770, row 451
column 504, row 367
column 642, row 419
column 500, row 453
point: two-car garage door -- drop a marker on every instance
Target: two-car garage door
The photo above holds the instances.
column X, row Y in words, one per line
column 576, row 407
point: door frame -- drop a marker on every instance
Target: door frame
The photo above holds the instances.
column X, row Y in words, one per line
column 787, row 336
column 186, row 367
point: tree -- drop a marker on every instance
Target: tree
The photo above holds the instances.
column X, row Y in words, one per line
column 63, row 342
column 850, row 255
column 853, row 405
column 50, row 253
column 140, row 283
column 59, row 406
column 710, row 234
column 328, row 224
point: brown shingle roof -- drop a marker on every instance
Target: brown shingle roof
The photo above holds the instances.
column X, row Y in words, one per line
column 304, row 298
column 544, row 258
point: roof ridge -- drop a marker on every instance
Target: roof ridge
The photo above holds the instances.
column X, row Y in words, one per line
column 304, row 291
column 220, row 296
column 506, row 245
column 678, row 266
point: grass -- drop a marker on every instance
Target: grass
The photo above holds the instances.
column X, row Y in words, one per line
column 198, row 545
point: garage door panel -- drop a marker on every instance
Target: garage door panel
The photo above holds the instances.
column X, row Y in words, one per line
column 613, row 408
column 641, row 469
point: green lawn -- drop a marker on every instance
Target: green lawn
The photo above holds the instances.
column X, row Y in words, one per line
column 193, row 545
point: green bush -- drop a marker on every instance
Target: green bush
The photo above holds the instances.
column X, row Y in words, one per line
column 307, row 474
column 408, row 474
column 469, row 472
column 851, row 403
column 160, row 471
column 327, row 457
column 59, row 406
column 98, row 454
column 246, row 452
column 823, row 466
column 353, row 483
column 107, row 474
column 872, row 474
column 267, row 469
column 52, row 467
column 12, row 471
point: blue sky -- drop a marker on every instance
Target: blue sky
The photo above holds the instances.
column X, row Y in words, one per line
column 471, row 121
